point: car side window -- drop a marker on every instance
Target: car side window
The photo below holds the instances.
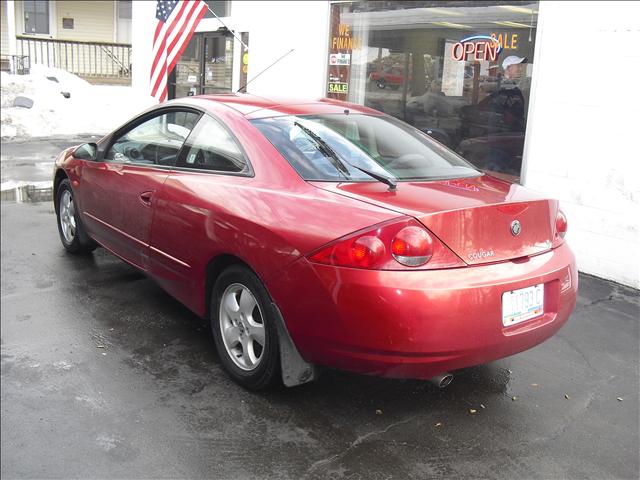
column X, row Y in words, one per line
column 156, row 141
column 211, row 147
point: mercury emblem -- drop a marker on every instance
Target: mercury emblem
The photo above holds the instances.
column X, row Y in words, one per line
column 515, row 228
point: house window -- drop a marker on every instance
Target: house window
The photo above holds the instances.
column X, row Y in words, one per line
column 36, row 16
column 123, row 29
column 222, row 9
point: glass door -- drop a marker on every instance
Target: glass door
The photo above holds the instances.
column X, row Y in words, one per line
column 187, row 76
column 205, row 66
column 218, row 63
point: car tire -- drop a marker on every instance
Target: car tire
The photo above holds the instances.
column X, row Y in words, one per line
column 242, row 308
column 72, row 234
column 381, row 84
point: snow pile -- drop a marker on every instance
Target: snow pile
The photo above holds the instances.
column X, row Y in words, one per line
column 89, row 109
column 13, row 184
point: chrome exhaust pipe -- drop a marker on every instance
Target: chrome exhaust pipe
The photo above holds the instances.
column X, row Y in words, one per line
column 443, row 380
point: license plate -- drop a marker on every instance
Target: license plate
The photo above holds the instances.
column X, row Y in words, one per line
column 523, row 304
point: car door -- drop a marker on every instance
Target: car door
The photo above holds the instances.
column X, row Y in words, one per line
column 119, row 190
column 194, row 216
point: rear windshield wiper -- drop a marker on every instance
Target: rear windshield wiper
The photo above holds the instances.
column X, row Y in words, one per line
column 326, row 150
column 340, row 163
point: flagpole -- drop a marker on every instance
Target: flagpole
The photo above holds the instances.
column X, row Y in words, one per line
column 232, row 32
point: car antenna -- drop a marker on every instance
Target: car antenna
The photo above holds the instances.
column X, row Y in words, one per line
column 256, row 76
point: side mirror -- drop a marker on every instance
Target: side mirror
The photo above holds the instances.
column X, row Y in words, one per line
column 86, row 151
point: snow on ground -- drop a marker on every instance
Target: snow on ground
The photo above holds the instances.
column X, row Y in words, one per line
column 12, row 184
column 90, row 108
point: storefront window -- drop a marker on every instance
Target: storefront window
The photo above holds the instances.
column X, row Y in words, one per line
column 458, row 71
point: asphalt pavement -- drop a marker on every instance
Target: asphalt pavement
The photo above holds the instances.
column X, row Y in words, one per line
column 103, row 375
column 31, row 160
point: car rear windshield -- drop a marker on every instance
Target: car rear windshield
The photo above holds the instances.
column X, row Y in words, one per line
column 330, row 147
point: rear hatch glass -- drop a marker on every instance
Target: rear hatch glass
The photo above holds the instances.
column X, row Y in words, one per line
column 380, row 144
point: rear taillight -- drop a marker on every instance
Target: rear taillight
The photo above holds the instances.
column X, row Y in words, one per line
column 396, row 245
column 561, row 224
column 366, row 251
column 412, row 246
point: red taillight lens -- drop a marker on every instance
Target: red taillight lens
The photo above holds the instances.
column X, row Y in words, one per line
column 412, row 246
column 561, row 224
column 366, row 251
column 396, row 245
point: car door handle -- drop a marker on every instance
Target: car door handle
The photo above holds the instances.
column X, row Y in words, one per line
column 146, row 197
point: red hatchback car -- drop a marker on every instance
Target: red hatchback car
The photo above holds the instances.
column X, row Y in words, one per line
column 321, row 233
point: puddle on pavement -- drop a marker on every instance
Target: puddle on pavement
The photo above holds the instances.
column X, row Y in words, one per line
column 27, row 194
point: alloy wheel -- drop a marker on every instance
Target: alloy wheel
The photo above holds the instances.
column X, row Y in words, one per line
column 242, row 326
column 67, row 216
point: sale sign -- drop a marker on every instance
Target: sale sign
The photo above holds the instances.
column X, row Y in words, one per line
column 338, row 87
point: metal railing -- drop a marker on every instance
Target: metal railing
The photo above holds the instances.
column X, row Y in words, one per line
column 17, row 64
column 89, row 59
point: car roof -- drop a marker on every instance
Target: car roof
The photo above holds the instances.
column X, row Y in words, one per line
column 255, row 106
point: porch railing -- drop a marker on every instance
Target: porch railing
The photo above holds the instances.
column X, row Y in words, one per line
column 89, row 59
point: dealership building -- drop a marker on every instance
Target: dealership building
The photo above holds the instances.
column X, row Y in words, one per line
column 539, row 93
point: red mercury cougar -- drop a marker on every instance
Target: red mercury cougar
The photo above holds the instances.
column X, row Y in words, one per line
column 321, row 233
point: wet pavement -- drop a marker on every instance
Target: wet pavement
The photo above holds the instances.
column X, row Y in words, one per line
column 105, row 376
column 31, row 160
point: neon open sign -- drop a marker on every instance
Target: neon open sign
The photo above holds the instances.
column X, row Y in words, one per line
column 480, row 47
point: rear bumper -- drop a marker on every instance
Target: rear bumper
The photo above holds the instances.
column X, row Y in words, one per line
column 420, row 323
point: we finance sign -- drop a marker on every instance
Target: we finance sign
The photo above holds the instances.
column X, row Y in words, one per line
column 478, row 47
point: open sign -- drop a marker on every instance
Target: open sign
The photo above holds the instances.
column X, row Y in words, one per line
column 480, row 47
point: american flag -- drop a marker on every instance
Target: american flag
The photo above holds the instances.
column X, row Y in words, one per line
column 177, row 20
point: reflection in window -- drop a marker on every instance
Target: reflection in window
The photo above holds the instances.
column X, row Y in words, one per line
column 154, row 142
column 378, row 144
column 459, row 71
column 210, row 147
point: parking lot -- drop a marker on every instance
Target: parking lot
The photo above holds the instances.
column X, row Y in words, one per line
column 104, row 375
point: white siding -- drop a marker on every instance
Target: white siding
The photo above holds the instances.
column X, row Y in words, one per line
column 4, row 30
column 274, row 29
column 582, row 134
column 93, row 21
